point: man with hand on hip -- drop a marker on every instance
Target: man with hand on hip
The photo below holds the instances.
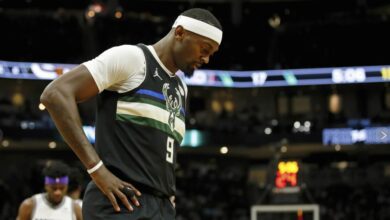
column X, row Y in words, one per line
column 140, row 118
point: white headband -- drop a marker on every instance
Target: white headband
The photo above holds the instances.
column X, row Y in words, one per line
column 199, row 27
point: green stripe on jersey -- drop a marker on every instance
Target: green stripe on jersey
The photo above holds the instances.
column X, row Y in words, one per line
column 149, row 111
column 147, row 101
column 152, row 123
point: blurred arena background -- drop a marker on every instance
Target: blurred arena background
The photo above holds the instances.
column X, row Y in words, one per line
column 307, row 121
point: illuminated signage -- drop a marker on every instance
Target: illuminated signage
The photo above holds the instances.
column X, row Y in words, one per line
column 38, row 71
column 286, row 175
column 349, row 75
column 222, row 78
column 349, row 136
column 293, row 77
column 386, row 73
column 258, row 78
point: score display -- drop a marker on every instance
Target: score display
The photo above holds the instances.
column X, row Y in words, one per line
column 293, row 77
column 221, row 78
column 286, row 174
column 350, row 136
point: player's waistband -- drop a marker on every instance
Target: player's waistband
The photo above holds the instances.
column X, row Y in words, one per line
column 143, row 188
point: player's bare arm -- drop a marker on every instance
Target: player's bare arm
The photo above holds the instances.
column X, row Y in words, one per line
column 77, row 210
column 25, row 209
column 60, row 98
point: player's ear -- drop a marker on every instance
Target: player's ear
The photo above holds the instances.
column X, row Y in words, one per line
column 179, row 33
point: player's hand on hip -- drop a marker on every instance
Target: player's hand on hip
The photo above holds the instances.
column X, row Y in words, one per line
column 114, row 188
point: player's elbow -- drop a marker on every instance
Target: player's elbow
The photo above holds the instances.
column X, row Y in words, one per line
column 50, row 96
column 46, row 97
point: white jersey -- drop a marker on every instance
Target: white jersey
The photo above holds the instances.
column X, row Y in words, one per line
column 78, row 202
column 43, row 210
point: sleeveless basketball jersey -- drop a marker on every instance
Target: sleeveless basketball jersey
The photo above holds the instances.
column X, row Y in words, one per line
column 43, row 210
column 138, row 132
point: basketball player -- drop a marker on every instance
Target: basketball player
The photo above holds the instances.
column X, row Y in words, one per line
column 53, row 204
column 140, row 118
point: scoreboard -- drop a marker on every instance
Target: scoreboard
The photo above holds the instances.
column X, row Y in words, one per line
column 292, row 77
column 224, row 78
column 287, row 174
column 350, row 136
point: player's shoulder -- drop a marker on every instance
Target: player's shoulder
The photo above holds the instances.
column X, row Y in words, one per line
column 128, row 49
column 127, row 52
column 68, row 198
column 28, row 203
column 76, row 203
column 26, row 208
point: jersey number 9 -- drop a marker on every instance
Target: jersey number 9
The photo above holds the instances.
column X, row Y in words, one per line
column 170, row 144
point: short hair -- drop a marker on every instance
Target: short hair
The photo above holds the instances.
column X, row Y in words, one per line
column 55, row 169
column 203, row 15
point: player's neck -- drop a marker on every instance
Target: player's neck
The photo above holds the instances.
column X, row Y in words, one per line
column 54, row 204
column 162, row 48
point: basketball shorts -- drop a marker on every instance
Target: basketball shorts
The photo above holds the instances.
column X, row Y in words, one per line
column 96, row 206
